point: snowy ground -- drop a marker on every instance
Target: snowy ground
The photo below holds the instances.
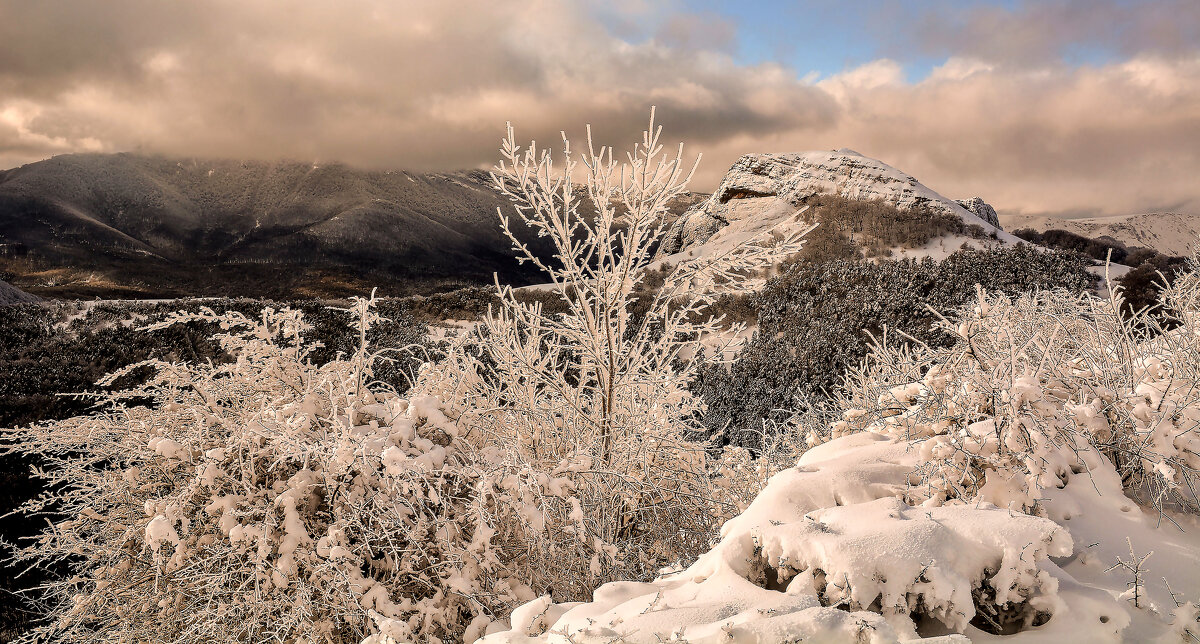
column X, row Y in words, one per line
column 449, row 329
column 837, row 518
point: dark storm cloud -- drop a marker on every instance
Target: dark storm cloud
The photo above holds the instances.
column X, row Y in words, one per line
column 429, row 85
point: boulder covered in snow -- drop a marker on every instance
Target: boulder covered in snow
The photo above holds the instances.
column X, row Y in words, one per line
column 774, row 185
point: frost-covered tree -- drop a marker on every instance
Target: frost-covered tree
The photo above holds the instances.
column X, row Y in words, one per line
column 1043, row 386
column 598, row 392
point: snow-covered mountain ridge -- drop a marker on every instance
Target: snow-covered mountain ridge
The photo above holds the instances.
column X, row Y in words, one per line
column 774, row 186
column 1170, row 233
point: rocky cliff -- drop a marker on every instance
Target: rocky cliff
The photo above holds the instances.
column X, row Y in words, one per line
column 981, row 209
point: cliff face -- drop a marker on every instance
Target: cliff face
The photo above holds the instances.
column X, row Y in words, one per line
column 772, row 185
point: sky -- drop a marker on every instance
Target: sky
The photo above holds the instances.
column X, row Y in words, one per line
column 1061, row 107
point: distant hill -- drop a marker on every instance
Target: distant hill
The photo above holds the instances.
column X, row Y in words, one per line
column 1170, row 233
column 131, row 225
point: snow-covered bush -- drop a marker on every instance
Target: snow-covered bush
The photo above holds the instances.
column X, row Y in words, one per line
column 797, row 567
column 1039, row 389
column 266, row 499
column 989, row 488
column 598, row 395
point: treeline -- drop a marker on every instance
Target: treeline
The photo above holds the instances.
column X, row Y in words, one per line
column 1098, row 248
column 48, row 350
column 850, row 227
column 1140, row 286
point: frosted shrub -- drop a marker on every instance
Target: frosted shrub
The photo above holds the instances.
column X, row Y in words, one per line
column 262, row 500
column 795, row 566
column 1041, row 388
column 597, row 396
column 939, row 502
column 271, row 499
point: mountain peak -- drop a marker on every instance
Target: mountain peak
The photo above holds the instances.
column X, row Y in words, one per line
column 777, row 184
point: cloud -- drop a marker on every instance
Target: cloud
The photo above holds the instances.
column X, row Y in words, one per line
column 417, row 84
column 428, row 85
column 697, row 32
column 1043, row 31
column 1115, row 139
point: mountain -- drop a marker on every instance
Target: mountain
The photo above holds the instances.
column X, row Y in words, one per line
column 1170, row 233
column 153, row 220
column 124, row 224
column 762, row 190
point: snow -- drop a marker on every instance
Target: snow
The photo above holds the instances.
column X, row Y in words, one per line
column 159, row 530
column 831, row 530
column 449, row 329
column 976, row 495
column 940, row 248
column 758, row 222
column 836, row 523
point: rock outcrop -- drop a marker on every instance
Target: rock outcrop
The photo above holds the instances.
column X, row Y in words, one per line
column 981, row 209
column 762, row 185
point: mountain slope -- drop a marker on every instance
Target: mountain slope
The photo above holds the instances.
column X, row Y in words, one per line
column 91, row 210
column 10, row 294
column 161, row 226
column 762, row 190
column 1170, row 233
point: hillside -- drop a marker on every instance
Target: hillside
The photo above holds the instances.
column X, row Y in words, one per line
column 133, row 225
column 10, row 294
column 763, row 191
column 1170, row 233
